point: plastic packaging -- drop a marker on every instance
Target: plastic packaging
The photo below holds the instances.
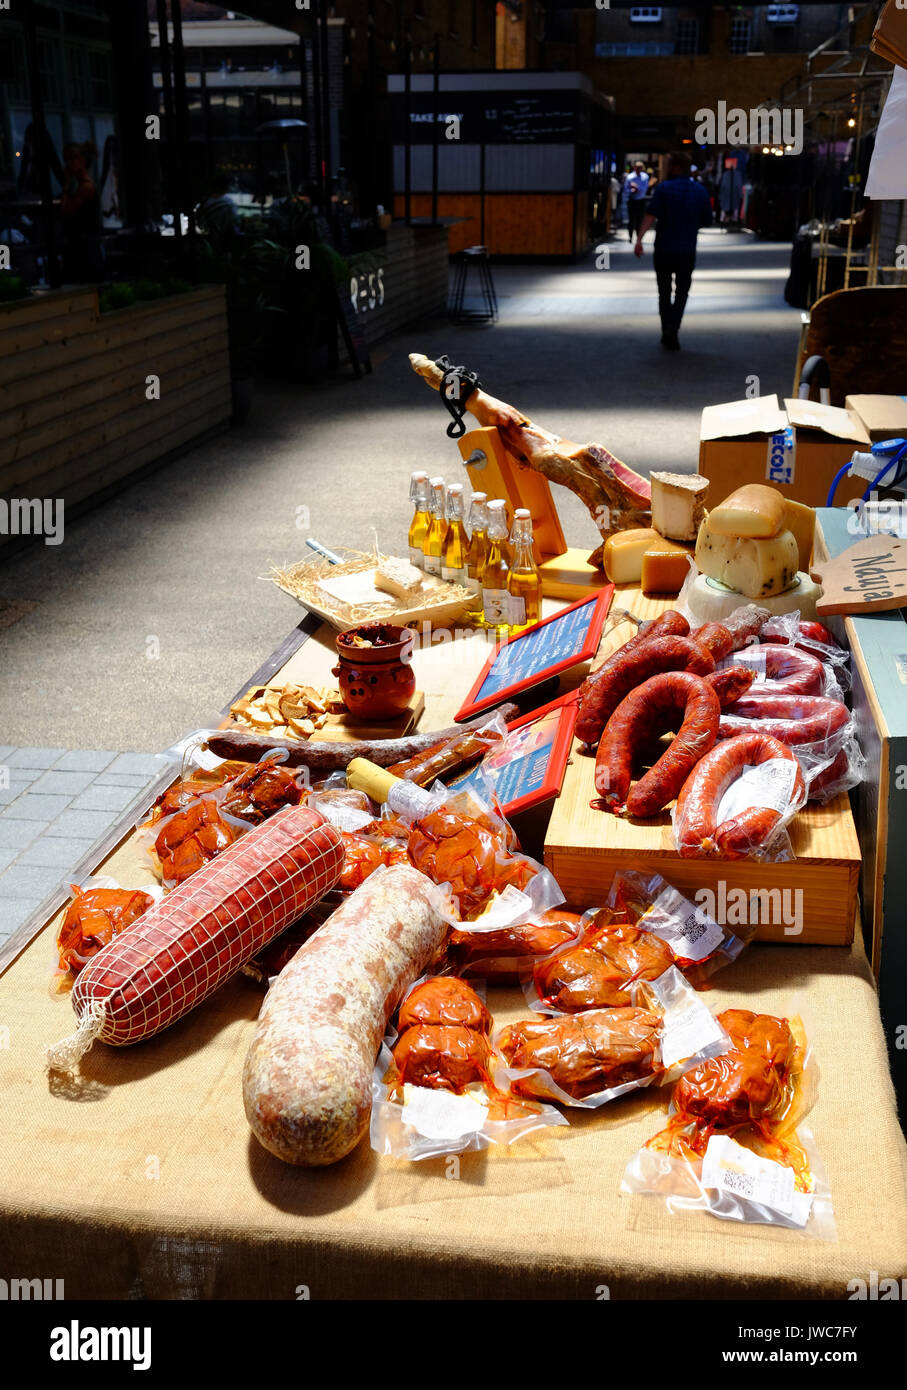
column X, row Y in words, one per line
column 700, row 946
column 782, row 669
column 731, row 1146
column 504, row 955
column 826, row 775
column 453, row 754
column 180, row 844
column 98, row 911
column 590, row 1058
column 814, row 638
column 738, row 799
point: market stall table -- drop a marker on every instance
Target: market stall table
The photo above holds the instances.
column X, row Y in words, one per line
column 139, row 1177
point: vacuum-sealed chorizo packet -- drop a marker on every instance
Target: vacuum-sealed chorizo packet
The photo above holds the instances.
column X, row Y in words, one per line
column 734, row 1145
column 589, row 1058
column 433, row 1091
column 785, row 670
column 738, row 800
column 700, row 946
column 506, row 954
column 811, row 637
column 453, row 754
column 99, row 910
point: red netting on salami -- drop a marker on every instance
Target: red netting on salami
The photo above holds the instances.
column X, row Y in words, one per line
column 208, row 927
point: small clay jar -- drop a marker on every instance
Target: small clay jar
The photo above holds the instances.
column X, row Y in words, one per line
column 376, row 680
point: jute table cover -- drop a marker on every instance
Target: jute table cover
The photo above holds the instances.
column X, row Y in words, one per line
column 139, row 1178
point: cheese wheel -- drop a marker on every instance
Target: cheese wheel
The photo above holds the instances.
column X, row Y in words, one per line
column 755, row 568
column 754, row 511
column 707, row 601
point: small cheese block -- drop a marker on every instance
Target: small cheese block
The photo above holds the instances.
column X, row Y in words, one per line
column 665, row 567
column 710, row 602
column 398, row 577
column 754, row 511
column 678, row 504
column 755, row 568
column 801, row 520
column 623, row 552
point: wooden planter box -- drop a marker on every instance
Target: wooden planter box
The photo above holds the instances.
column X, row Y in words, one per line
column 75, row 418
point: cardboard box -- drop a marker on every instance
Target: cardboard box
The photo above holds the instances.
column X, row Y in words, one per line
column 883, row 417
column 796, row 448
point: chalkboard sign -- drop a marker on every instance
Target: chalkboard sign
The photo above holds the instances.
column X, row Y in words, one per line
column 548, row 648
column 530, row 119
column 353, row 330
column 528, row 767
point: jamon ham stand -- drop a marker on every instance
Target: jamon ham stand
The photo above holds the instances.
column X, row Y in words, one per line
column 510, row 457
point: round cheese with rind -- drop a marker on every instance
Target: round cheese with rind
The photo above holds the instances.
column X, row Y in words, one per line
column 756, row 568
column 707, row 601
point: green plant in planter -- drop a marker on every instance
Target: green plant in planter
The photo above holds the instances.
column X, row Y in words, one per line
column 118, row 296
column 12, row 287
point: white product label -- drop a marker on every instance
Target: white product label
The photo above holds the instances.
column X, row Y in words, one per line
column 770, row 785
column 690, row 1030
column 729, row 1167
column 755, row 657
column 442, row 1115
column 344, row 817
column 517, row 610
column 432, row 564
column 503, row 911
column 689, row 931
column 459, row 576
column 496, row 605
column 416, row 557
column 473, row 585
column 781, row 456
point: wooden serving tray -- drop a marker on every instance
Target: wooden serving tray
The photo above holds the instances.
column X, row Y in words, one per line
column 584, row 847
column 346, row 728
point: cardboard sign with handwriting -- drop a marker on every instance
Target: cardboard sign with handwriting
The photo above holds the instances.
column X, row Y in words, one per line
column 867, row 577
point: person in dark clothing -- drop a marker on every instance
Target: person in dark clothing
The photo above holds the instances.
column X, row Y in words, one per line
column 680, row 206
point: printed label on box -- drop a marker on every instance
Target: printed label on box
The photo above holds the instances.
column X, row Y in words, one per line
column 781, row 457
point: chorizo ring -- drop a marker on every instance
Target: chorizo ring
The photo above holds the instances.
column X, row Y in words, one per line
column 699, row 835
column 648, row 709
column 790, row 671
column 792, row 719
column 651, row 659
column 670, row 623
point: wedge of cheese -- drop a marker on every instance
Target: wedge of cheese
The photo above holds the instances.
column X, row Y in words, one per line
column 623, row 552
column 754, row 511
column 755, row 567
column 665, row 566
column 678, row 504
column 802, row 521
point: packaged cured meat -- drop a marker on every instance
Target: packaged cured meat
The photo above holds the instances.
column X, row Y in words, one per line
column 700, row 946
column 599, row 971
column 828, row 774
column 453, row 753
column 734, row 1145
column 820, row 732
column 785, row 670
column 504, row 955
column 445, row 1001
column 589, row 1058
column 811, row 637
column 738, row 799
column 98, row 911
column 191, row 838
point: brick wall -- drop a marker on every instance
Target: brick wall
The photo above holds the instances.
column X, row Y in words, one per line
column 414, row 276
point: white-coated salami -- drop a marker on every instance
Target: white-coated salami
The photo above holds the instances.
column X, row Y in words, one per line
column 307, row 1080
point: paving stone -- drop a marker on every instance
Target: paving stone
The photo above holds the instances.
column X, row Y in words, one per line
column 14, row 790
column 17, row 834
column 32, row 807
column 35, row 757
column 136, row 780
column 148, row 764
column 84, row 760
column 80, row 825
column 7, row 856
column 13, row 912
column 6, row 748
column 28, row 881
column 104, row 798
column 50, row 852
column 63, row 783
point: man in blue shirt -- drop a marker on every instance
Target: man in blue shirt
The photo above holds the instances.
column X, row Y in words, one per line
column 637, row 188
column 679, row 207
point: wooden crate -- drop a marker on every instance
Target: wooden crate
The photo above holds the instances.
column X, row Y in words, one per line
column 584, row 847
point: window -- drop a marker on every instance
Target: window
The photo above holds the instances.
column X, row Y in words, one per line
column 687, row 40
column 782, row 14
column 452, row 18
column 740, row 35
column 641, row 14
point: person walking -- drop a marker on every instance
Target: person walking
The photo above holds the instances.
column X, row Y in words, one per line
column 637, row 187
column 680, row 206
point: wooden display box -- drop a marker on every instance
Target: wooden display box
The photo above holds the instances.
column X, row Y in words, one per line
column 585, row 847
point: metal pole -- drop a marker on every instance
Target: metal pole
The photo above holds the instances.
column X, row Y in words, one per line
column 326, row 96
column 163, row 33
column 407, row 116
column 182, row 113
column 319, row 113
column 434, row 133
column 40, row 139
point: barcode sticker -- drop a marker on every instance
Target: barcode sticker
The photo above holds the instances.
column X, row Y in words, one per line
column 755, row 657
column 689, row 931
column 441, row 1115
column 729, row 1167
column 770, row 785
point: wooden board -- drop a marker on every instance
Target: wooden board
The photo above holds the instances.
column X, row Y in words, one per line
column 570, row 575
column 498, row 474
column 869, row 577
column 584, row 846
column 345, row 728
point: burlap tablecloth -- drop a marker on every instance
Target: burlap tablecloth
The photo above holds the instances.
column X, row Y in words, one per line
column 141, row 1179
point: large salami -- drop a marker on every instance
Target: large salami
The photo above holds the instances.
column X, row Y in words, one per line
column 307, row 1081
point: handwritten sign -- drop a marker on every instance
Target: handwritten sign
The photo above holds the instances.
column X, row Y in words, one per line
column 868, row 577
column 528, row 767
column 546, row 649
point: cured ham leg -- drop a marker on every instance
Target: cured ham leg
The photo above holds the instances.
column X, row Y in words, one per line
column 616, row 497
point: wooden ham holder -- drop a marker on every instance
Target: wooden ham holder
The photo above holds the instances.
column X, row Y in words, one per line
column 564, row 570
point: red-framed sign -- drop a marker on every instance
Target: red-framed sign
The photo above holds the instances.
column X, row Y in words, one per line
column 546, row 649
column 528, row 767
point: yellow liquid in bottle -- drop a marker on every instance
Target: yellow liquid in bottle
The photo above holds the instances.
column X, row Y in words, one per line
column 435, row 541
column 418, row 534
column 476, row 556
column 495, row 593
column 455, row 549
column 525, row 586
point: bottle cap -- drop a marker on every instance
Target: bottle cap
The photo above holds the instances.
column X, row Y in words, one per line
column 522, row 514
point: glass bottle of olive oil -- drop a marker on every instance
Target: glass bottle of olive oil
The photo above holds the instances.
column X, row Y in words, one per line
column 436, row 540
column 453, row 566
column 523, row 582
column 477, row 554
column 495, row 593
column 418, row 528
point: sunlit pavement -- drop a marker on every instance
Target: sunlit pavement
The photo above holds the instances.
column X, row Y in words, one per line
column 178, row 556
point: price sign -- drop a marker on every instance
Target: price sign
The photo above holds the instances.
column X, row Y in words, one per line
column 528, row 766
column 546, row 649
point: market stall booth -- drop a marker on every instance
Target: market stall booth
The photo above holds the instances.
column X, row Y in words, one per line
column 374, row 1126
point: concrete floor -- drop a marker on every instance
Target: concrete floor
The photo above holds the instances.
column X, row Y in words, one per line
column 152, row 612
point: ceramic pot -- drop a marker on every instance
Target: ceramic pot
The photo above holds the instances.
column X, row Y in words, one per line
column 376, row 681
